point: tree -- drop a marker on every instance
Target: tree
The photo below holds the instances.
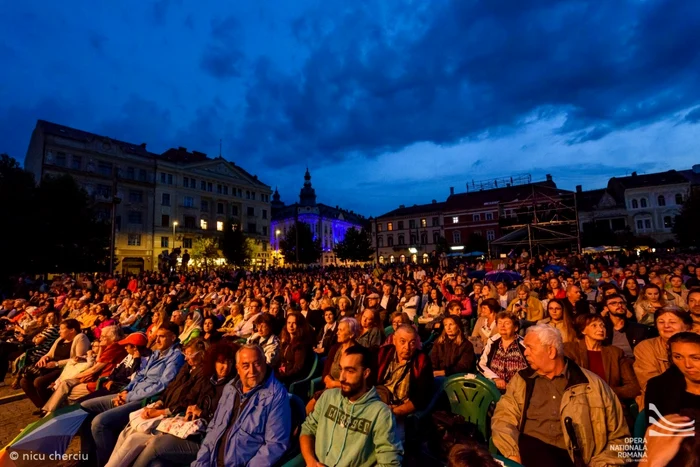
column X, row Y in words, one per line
column 441, row 245
column 356, row 246
column 235, row 245
column 686, row 226
column 73, row 238
column 205, row 249
column 309, row 248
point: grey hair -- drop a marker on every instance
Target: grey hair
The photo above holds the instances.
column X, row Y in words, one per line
column 353, row 325
column 255, row 347
column 549, row 336
column 407, row 328
column 112, row 331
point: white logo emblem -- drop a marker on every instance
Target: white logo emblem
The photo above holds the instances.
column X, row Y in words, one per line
column 668, row 428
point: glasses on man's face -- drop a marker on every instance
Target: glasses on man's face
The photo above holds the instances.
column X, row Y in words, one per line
column 616, row 303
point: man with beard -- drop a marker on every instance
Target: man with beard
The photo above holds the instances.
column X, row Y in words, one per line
column 619, row 331
column 350, row 424
column 694, row 306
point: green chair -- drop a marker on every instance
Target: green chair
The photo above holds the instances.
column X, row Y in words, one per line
column 474, row 399
column 389, row 330
column 301, row 388
column 640, row 425
column 316, row 385
column 149, row 400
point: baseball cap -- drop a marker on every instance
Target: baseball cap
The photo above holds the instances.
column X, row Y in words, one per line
column 138, row 339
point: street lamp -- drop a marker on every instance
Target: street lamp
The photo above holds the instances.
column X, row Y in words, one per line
column 174, row 225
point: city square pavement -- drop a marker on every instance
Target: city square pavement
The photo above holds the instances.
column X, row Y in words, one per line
column 14, row 416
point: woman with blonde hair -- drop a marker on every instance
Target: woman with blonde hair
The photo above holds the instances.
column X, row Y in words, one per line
column 525, row 306
column 649, row 301
column 452, row 352
column 560, row 319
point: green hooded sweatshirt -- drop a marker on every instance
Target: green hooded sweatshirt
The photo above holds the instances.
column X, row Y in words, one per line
column 359, row 434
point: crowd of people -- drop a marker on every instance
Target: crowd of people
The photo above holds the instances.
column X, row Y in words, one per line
column 194, row 368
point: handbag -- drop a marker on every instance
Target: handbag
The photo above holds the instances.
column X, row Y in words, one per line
column 144, row 425
column 181, row 427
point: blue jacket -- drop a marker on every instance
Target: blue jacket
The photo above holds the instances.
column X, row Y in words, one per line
column 154, row 375
column 260, row 435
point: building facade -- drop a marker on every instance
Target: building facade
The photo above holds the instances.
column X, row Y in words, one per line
column 115, row 174
column 408, row 234
column 196, row 195
column 327, row 223
column 161, row 201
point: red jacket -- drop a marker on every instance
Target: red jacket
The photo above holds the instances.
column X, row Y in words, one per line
column 420, row 386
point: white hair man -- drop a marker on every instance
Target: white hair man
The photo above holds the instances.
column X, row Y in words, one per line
column 549, row 400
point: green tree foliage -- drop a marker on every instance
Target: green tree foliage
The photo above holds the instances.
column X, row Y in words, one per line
column 686, row 226
column 235, row 245
column 48, row 228
column 309, row 249
column 205, row 249
column 356, row 246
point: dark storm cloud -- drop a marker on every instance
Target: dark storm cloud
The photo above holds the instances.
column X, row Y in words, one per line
column 222, row 57
column 379, row 78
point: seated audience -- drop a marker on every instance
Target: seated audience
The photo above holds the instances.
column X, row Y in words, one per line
column 526, row 306
column 620, row 331
column 528, row 423
column 350, row 425
column 265, row 339
column 192, row 329
column 210, row 330
column 485, row 325
column 296, row 356
column 560, row 319
column 372, row 335
column 452, row 352
column 504, row 354
column 326, row 336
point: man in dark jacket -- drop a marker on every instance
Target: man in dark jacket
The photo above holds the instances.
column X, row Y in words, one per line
column 406, row 375
column 619, row 331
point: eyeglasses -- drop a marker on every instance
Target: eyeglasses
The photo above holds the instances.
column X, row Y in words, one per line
column 615, row 303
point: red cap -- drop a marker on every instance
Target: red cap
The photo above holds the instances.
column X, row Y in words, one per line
column 138, row 339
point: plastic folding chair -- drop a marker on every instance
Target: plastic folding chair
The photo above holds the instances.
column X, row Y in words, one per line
column 301, row 388
column 474, row 398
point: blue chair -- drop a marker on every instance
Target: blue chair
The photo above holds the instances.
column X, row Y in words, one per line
column 293, row 454
column 301, row 388
column 389, row 330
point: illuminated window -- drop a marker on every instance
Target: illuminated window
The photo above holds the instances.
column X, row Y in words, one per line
column 390, row 226
column 455, row 220
column 424, row 222
column 220, row 226
column 203, row 224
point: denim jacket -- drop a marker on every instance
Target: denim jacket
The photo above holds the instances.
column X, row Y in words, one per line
column 155, row 374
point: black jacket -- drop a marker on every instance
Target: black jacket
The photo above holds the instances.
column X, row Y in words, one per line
column 634, row 332
column 665, row 392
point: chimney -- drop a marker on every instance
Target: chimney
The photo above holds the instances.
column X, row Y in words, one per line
column 401, row 206
column 549, row 177
column 579, row 188
column 634, row 174
column 143, row 145
column 435, row 201
column 452, row 190
column 696, row 168
column 182, row 149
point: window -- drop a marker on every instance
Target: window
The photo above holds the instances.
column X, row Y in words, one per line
column 381, row 259
column 251, row 211
column 234, row 210
column 165, row 220
column 647, row 223
column 204, row 206
column 436, row 237
column 143, row 176
column 661, row 200
column 390, row 240
column 252, row 228
column 490, row 235
column 424, row 222
column 130, row 173
column 77, row 162
column 379, row 227
column 264, row 230
column 165, row 199
column 134, row 240
column 456, row 236
column 240, row 193
column 380, row 242
column 635, row 204
column 135, row 217
column 668, row 222
column 640, row 224
column 170, row 179
column 247, row 194
column 226, row 189
column 436, row 221
column 389, row 226
column 186, row 182
column 478, row 232
column 135, row 196
column 414, row 239
column 219, row 208
column 105, row 191
column 401, row 240
column 252, row 195
column 187, row 243
column 412, row 224
column 679, row 198
column 61, row 159
column 476, row 218
column 210, row 187
column 220, row 226
column 203, row 185
column 162, row 177
column 392, row 259
column 424, row 238
column 455, row 220
column 264, row 213
column 203, row 224
column 643, row 202
column 402, row 258
column 489, row 216
column 164, row 241
column 219, row 189
column 188, row 202
column 190, row 222
column 400, row 225
column 105, row 168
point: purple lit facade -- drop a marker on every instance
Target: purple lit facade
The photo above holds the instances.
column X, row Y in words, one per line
column 327, row 223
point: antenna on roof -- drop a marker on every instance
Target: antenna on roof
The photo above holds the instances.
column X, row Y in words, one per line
column 219, row 147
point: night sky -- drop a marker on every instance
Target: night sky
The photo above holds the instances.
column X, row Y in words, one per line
column 388, row 102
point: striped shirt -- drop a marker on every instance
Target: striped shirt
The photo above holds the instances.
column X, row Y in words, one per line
column 50, row 334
